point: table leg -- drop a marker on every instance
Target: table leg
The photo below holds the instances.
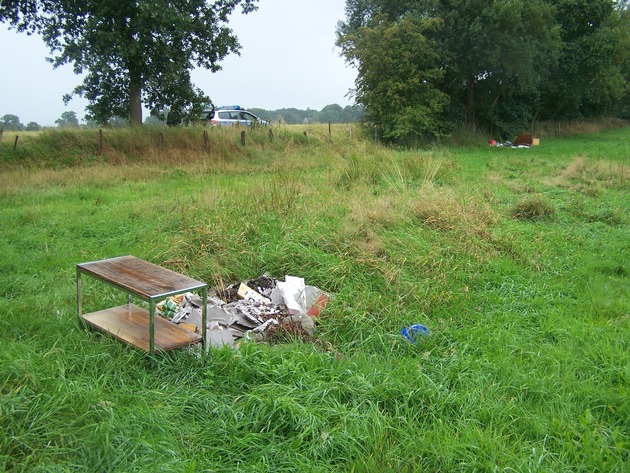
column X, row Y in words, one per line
column 204, row 317
column 151, row 325
column 79, row 297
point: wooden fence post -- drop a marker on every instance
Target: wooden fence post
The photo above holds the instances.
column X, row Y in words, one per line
column 329, row 131
column 206, row 140
column 15, row 142
column 243, row 138
column 270, row 135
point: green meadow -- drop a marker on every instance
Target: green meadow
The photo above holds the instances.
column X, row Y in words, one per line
column 517, row 260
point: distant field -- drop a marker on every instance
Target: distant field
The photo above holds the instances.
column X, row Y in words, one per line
column 517, row 260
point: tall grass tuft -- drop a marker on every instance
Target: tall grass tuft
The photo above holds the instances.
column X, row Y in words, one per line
column 535, row 207
column 587, row 173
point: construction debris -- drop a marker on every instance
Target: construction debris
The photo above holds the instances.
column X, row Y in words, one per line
column 262, row 309
column 524, row 140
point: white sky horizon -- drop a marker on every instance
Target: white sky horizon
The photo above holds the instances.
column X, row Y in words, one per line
column 288, row 60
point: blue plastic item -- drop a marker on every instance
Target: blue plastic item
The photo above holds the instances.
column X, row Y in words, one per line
column 413, row 332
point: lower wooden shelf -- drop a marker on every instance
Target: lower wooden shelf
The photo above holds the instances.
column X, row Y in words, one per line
column 130, row 324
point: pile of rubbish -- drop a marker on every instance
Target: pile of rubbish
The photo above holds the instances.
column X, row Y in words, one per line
column 262, row 309
column 506, row 144
column 524, row 140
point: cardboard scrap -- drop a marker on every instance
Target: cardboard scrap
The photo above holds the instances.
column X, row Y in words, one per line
column 189, row 327
column 292, row 291
column 246, row 292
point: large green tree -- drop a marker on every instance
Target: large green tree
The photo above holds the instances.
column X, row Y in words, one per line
column 479, row 53
column 590, row 78
column 496, row 51
column 501, row 63
column 398, row 75
column 133, row 52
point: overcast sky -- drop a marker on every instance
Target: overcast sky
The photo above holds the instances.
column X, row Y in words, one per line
column 288, row 59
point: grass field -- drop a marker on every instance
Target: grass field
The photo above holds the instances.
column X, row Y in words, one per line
column 517, row 260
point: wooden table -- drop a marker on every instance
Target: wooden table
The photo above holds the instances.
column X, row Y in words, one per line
column 151, row 283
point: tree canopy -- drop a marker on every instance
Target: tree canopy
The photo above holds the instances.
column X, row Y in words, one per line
column 386, row 52
column 67, row 120
column 133, row 51
column 425, row 66
column 10, row 122
column 32, row 126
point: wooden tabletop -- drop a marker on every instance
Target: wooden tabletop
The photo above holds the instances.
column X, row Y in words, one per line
column 144, row 279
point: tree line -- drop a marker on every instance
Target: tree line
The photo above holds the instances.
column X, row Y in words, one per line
column 427, row 67
column 333, row 113
column 10, row 122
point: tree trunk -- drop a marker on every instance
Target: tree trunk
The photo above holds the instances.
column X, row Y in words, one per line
column 135, row 97
column 470, row 104
column 534, row 119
